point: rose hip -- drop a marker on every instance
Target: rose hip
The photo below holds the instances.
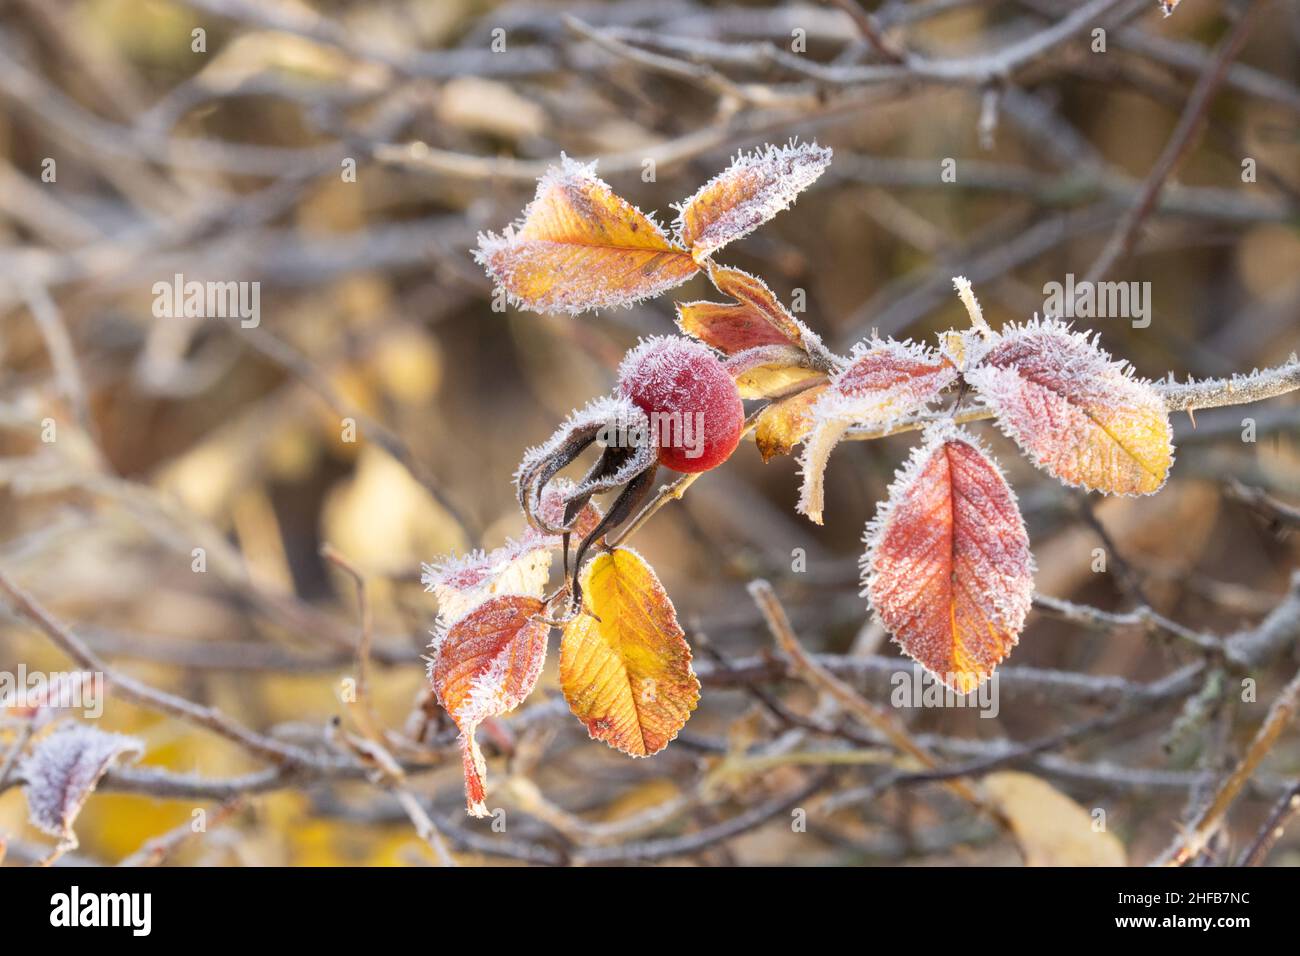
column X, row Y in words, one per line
column 690, row 398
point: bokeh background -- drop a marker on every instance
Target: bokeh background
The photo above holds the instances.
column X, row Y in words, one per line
column 235, row 163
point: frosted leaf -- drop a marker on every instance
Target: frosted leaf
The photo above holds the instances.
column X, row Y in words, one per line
column 1078, row 415
column 485, row 665
column 947, row 567
column 460, row 584
column 753, row 189
column 579, row 246
column 64, row 769
column 756, row 318
column 883, row 381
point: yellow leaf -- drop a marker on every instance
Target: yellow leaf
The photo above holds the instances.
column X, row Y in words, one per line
column 786, row 423
column 580, row 247
column 625, row 667
column 1052, row 829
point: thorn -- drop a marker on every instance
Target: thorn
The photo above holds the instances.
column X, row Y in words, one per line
column 1191, row 413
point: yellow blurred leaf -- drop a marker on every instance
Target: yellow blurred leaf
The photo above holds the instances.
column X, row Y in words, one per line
column 1052, row 829
column 384, row 520
column 486, row 106
column 625, row 667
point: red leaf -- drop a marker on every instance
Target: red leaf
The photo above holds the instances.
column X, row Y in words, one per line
column 483, row 666
column 947, row 568
column 756, row 318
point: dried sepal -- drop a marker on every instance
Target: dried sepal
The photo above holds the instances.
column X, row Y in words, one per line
column 1078, row 415
column 484, row 665
column 605, row 418
column 947, row 567
column 625, row 667
column 753, row 189
column 63, row 770
column 579, row 246
column 883, row 381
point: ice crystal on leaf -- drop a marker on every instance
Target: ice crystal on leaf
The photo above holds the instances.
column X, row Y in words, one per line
column 883, row 381
column 947, row 567
column 64, row 770
column 484, row 666
column 753, row 189
column 579, row 246
column 1078, row 415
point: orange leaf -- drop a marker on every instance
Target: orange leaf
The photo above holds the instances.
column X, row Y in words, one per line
column 625, row 667
column 948, row 568
column 1078, row 415
column 579, row 247
column 882, row 382
column 786, row 423
column 484, row 665
column 756, row 318
column 753, row 189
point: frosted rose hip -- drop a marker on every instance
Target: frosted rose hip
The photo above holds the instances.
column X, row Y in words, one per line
column 695, row 412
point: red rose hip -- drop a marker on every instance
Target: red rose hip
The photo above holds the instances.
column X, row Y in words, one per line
column 690, row 398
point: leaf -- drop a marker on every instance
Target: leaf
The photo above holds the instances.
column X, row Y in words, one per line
column 786, row 423
column 882, row 382
column 755, row 319
column 579, row 247
column 771, row 371
column 64, row 769
column 947, row 568
column 461, row 584
column 1052, row 829
column 625, row 667
column 1078, row 415
column 753, row 189
column 483, row 666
